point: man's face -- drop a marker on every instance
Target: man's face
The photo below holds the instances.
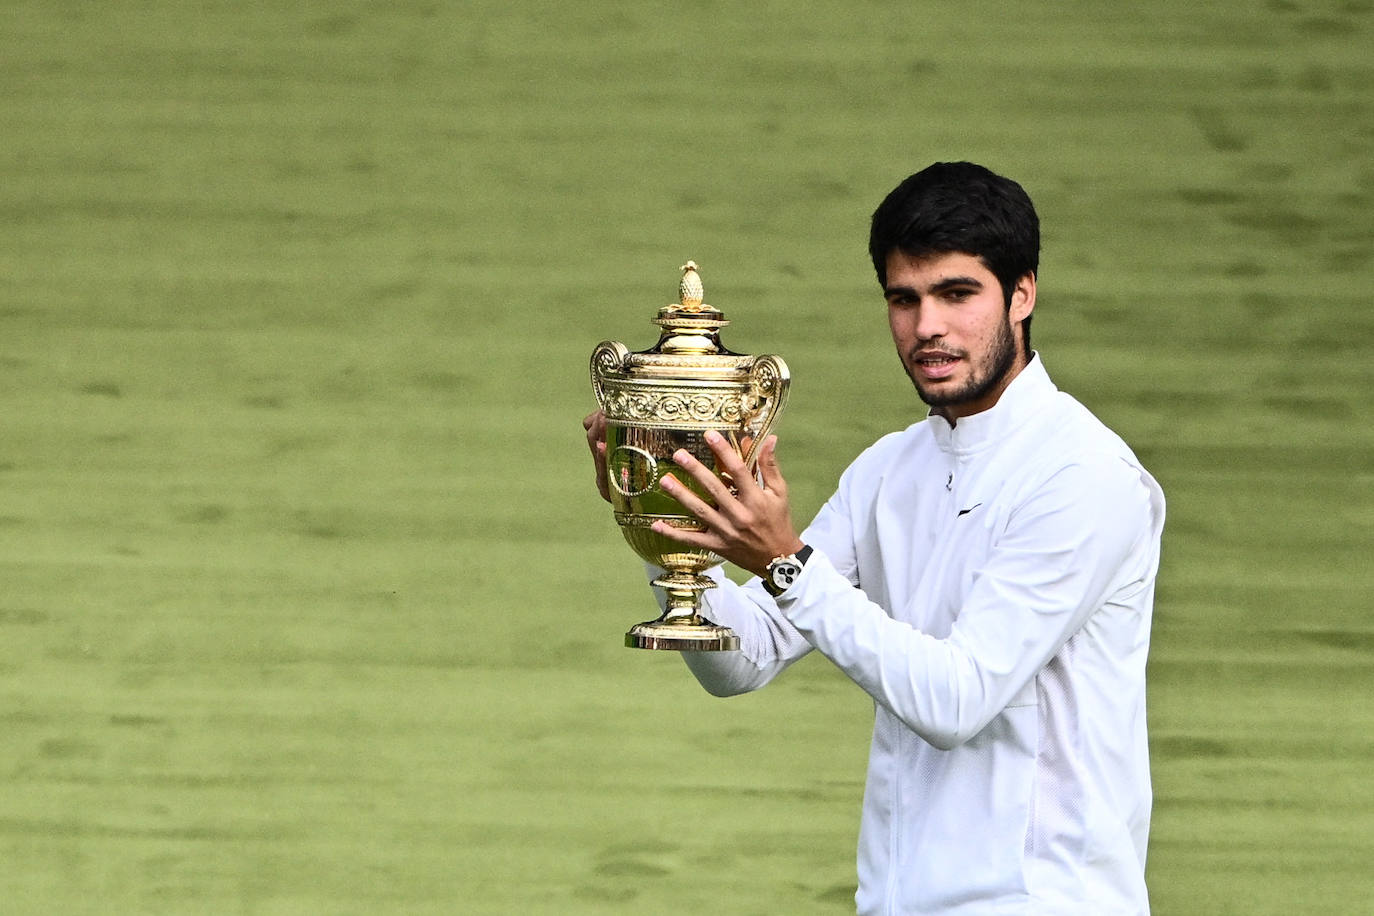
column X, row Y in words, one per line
column 953, row 329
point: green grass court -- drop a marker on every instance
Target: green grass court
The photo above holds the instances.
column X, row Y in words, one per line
column 307, row 603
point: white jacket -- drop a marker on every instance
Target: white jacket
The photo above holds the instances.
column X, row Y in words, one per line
column 990, row 585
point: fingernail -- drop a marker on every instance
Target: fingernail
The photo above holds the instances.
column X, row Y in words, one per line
column 712, row 436
column 681, row 456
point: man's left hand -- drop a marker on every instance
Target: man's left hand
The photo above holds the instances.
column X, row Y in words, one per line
column 749, row 527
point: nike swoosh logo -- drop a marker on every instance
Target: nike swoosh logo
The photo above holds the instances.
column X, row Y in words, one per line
column 963, row 512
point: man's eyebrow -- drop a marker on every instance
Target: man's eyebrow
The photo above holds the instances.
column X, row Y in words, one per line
column 947, row 282
column 938, row 286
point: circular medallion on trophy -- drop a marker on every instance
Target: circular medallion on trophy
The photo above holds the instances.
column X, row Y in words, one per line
column 632, row 471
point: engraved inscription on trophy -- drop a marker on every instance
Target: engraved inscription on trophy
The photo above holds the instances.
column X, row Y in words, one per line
column 663, row 399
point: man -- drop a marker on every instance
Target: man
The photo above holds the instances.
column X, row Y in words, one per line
column 986, row 575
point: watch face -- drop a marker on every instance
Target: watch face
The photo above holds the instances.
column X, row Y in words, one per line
column 784, row 574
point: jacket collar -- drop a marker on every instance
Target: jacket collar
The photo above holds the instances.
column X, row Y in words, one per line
column 1027, row 395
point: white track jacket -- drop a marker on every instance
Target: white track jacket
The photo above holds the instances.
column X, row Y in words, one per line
column 990, row 586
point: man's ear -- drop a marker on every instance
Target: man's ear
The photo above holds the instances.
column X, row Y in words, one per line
column 1022, row 299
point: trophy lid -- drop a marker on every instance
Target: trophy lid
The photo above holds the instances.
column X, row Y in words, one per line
column 690, row 326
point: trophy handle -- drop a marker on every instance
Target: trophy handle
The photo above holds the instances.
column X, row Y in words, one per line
column 769, row 381
column 608, row 359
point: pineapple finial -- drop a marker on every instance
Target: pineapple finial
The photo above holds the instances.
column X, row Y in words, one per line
column 690, row 291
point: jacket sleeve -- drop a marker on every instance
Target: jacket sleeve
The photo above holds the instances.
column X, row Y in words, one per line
column 1088, row 531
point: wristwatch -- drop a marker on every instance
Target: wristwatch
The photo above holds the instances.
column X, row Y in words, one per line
column 783, row 571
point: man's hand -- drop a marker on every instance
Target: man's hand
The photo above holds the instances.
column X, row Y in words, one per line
column 595, row 425
column 750, row 527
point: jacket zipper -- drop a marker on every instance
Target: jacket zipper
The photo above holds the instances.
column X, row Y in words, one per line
column 895, row 819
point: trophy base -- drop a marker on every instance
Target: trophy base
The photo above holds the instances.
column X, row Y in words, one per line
column 682, row 637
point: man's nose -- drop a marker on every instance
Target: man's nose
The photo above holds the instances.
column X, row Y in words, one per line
column 928, row 324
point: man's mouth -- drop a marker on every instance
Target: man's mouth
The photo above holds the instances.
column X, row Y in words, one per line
column 934, row 365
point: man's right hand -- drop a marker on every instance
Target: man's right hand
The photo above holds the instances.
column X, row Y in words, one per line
column 595, row 425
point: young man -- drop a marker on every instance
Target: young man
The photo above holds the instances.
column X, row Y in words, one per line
column 986, row 575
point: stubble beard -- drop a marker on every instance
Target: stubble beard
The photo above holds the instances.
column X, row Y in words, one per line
column 986, row 376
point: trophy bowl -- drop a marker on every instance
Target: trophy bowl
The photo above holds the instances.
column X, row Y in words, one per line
column 666, row 398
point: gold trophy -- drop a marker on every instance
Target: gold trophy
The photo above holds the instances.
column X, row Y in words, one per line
column 663, row 399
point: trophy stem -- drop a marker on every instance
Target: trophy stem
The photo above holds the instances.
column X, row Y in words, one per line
column 681, row 627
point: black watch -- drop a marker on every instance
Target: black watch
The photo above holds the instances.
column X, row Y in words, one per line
column 783, row 571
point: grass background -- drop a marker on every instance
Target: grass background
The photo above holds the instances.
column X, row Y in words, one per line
column 306, row 602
